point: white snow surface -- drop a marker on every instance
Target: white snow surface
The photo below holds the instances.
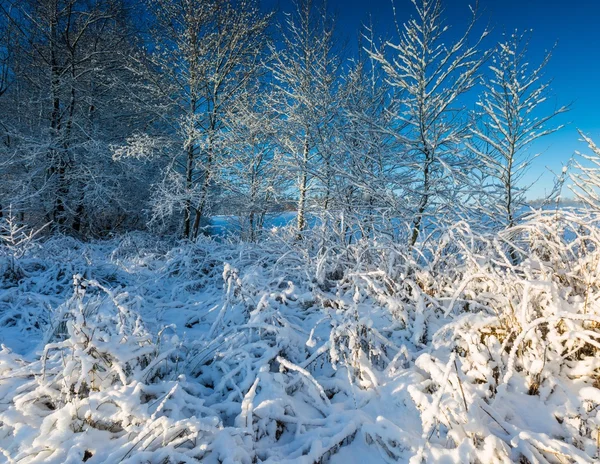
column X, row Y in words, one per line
column 145, row 350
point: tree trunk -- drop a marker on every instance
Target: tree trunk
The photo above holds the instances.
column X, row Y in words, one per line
column 418, row 221
column 510, row 218
column 187, row 213
column 302, row 188
column 54, row 168
column 79, row 213
column 251, row 219
column 201, row 205
column 189, row 168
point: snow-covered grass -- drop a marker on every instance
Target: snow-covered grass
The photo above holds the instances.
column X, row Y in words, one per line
column 140, row 350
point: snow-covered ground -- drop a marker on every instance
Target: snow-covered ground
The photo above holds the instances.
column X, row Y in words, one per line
column 139, row 350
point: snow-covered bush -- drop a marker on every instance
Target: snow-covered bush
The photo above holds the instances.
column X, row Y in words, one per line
column 510, row 369
column 103, row 379
column 312, row 350
column 15, row 241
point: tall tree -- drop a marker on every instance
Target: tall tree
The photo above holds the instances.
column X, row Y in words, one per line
column 371, row 181
column 202, row 56
column 305, row 73
column 512, row 116
column 430, row 77
column 253, row 173
column 66, row 62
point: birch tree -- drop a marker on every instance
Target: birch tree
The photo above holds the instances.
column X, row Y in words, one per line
column 305, row 76
column 203, row 55
column 253, row 173
column 512, row 116
column 430, row 77
column 586, row 177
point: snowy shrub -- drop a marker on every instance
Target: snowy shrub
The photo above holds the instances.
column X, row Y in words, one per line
column 469, row 347
column 16, row 240
column 103, row 378
column 508, row 360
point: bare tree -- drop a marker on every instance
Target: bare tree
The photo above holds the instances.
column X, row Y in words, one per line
column 7, row 49
column 510, row 120
column 430, row 77
column 66, row 63
column 253, row 174
column 586, row 177
column 305, row 76
column 203, row 56
column 370, row 178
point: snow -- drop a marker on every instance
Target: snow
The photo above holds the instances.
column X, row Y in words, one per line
column 139, row 349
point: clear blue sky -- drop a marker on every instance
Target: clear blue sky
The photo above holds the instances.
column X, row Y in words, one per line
column 574, row 68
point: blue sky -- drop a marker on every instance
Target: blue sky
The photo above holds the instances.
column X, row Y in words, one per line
column 574, row 68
